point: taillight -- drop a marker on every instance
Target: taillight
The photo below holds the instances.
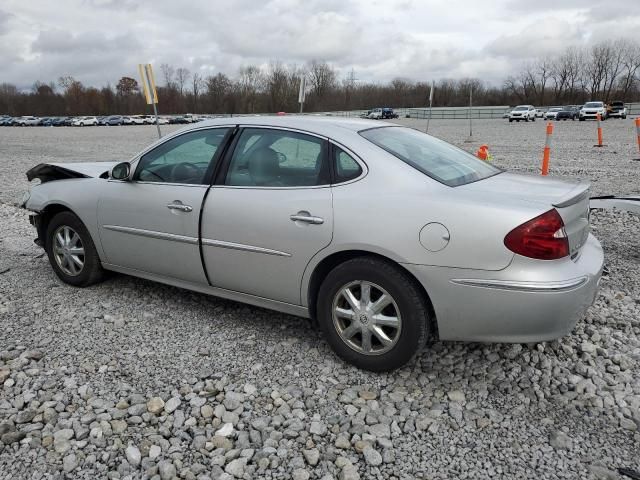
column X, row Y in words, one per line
column 543, row 238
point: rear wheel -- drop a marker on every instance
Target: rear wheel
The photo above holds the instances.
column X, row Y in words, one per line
column 71, row 251
column 372, row 314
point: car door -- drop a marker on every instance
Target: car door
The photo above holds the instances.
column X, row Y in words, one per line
column 151, row 222
column 269, row 213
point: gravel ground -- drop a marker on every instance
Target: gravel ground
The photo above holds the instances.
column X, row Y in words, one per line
column 132, row 379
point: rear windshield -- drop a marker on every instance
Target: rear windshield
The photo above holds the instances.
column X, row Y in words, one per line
column 437, row 159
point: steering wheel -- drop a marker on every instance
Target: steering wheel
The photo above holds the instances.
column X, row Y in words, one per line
column 176, row 173
column 152, row 173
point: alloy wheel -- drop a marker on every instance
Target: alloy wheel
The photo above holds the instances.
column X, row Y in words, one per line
column 366, row 317
column 68, row 250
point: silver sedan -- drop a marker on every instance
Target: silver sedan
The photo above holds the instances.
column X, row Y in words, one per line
column 387, row 237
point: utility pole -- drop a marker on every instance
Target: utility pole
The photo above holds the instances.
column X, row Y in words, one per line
column 302, row 92
column 430, row 104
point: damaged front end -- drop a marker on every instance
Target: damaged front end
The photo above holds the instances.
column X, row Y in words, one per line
column 47, row 172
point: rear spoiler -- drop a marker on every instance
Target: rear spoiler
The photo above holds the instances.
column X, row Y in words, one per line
column 577, row 194
column 609, row 202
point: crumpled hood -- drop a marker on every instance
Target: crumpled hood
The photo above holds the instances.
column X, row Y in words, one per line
column 48, row 172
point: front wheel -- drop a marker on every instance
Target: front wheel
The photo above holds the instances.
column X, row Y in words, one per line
column 71, row 251
column 373, row 314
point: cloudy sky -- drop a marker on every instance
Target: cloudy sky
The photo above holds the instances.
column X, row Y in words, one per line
column 98, row 41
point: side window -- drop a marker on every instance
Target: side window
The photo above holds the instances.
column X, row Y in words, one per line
column 346, row 168
column 278, row 158
column 182, row 159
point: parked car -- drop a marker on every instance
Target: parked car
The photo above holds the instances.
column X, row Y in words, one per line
column 379, row 284
column 84, row 121
column 114, row 120
column 567, row 113
column 552, row 112
column 127, row 120
column 178, row 120
column 590, row 110
column 59, row 121
column 539, row 113
column 27, row 121
column 523, row 112
column 375, row 114
column 506, row 114
column 6, row 121
column 617, row 110
column 46, row 121
column 68, row 122
column 388, row 112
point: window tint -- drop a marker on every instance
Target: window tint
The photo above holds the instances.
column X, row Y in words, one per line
column 346, row 168
column 183, row 159
column 435, row 158
column 278, row 158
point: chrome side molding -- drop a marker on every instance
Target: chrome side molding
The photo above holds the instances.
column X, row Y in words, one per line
column 536, row 287
column 240, row 246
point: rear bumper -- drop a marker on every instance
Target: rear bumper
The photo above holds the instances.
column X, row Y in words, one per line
column 529, row 301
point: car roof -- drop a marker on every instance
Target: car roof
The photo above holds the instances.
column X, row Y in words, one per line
column 326, row 126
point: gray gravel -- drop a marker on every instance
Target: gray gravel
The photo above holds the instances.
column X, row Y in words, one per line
column 131, row 379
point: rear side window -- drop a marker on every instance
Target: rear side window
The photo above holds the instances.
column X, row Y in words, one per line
column 345, row 167
column 278, row 158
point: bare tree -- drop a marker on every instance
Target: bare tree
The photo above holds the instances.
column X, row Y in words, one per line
column 322, row 77
column 167, row 72
column 197, row 84
column 182, row 77
column 219, row 87
column 250, row 83
column 630, row 67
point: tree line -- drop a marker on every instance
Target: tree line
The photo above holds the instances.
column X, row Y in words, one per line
column 608, row 70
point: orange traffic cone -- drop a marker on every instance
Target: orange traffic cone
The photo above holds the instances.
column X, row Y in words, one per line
column 483, row 153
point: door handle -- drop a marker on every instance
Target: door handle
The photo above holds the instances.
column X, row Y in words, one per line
column 179, row 206
column 307, row 218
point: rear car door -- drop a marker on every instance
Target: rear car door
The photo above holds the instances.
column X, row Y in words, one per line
column 151, row 222
column 269, row 213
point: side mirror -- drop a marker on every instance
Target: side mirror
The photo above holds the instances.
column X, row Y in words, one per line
column 121, row 171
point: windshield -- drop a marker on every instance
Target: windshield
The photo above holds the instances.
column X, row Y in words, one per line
column 437, row 159
column 593, row 105
column 521, row 108
column 555, row 109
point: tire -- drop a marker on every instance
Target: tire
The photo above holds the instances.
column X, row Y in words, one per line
column 67, row 269
column 510, row 120
column 408, row 305
column 624, row 117
column 533, row 119
column 581, row 119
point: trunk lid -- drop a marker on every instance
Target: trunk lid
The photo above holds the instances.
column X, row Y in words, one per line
column 569, row 198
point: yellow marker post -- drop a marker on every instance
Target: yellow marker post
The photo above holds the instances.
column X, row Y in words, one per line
column 149, row 90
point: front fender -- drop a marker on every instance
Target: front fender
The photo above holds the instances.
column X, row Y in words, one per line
column 79, row 195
